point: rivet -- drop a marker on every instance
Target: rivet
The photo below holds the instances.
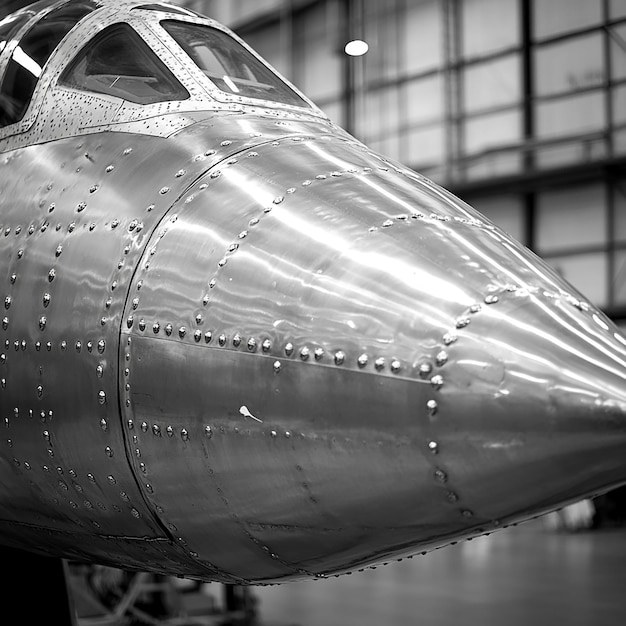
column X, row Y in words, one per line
column 197, row 335
column 433, row 447
column 156, row 430
column 436, row 381
column 339, row 357
column 80, row 207
column 39, row 391
column 273, row 433
column 51, row 275
column 101, row 346
column 7, row 302
column 168, row 329
column 452, row 497
column 289, row 349
column 144, row 427
column 441, row 358
column 425, row 369
column 475, row 308
column 46, row 299
column 103, row 424
column 103, row 321
column 491, row 299
column 170, row 431
column 129, row 321
column 467, row 513
column 463, row 322
column 304, row 353
column 449, row 338
column 42, row 322
column 362, row 360
column 135, row 303
column 432, row 407
column 102, row 397
column 277, row 366
column 109, row 451
column 395, row 366
column 441, row 476
column 115, row 223
column 318, row 354
column 142, row 324
column 252, row 344
column 48, row 346
column 266, row 346
column 13, row 278
column 184, row 434
column 99, row 371
column 164, row 190
column 237, row 340
column 156, row 327
column 208, row 432
column 208, row 336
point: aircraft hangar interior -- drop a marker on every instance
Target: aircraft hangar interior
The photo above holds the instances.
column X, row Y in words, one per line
column 517, row 107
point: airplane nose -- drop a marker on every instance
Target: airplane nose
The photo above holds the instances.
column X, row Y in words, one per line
column 536, row 391
column 395, row 368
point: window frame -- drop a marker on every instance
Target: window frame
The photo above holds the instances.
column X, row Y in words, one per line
column 97, row 39
column 215, row 92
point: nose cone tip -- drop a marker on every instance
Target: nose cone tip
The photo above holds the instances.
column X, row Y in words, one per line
column 535, row 405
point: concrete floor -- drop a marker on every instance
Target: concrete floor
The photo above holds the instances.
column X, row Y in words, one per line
column 523, row 576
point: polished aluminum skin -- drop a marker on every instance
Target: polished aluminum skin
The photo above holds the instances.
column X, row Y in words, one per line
column 238, row 345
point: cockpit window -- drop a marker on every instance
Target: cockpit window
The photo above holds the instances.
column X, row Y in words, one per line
column 229, row 66
column 119, row 63
column 30, row 56
column 9, row 28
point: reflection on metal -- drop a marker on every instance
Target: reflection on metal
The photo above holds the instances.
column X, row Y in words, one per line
column 238, row 345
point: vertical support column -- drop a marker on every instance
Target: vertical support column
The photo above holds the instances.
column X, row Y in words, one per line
column 451, row 43
column 528, row 121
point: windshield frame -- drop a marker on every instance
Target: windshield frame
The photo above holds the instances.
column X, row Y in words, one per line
column 215, row 92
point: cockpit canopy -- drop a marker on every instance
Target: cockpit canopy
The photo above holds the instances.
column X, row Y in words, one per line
column 124, row 61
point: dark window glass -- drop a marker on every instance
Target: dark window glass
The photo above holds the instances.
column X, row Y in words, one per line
column 119, row 63
column 9, row 27
column 228, row 65
column 30, row 56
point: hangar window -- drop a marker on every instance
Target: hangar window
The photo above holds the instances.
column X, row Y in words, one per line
column 119, row 63
column 30, row 56
column 229, row 66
